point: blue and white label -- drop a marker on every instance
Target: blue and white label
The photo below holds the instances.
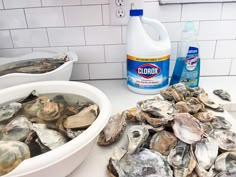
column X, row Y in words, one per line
column 147, row 73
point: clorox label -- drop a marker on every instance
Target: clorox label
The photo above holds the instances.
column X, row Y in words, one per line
column 147, row 73
column 148, row 70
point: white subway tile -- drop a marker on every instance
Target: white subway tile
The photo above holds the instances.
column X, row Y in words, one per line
column 103, row 35
column 83, row 15
column 12, row 19
column 215, row 67
column 124, row 66
column 44, row 17
column 29, row 38
column 66, row 36
column 229, row 11
column 204, row 11
column 175, row 29
column 80, row 72
column 95, row 2
column 1, row 5
column 106, row 14
column 14, row 52
column 5, row 39
column 226, row 49
column 89, row 54
column 124, row 29
column 207, row 49
column 233, row 67
column 51, row 49
column 213, row 30
column 60, row 2
column 9, row 4
column 174, row 47
column 168, row 13
column 115, row 53
column 105, row 71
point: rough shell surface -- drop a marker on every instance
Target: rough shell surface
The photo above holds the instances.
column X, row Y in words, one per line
column 171, row 94
column 163, row 142
column 226, row 161
column 145, row 163
column 113, row 130
column 83, row 119
column 205, row 153
column 222, row 94
column 50, row 111
column 187, row 128
column 221, row 123
column 204, row 116
column 7, row 111
column 12, row 153
column 136, row 136
column 48, row 137
column 225, row 139
column 17, row 129
column 204, row 98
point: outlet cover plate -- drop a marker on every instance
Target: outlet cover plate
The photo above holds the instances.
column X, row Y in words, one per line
column 114, row 8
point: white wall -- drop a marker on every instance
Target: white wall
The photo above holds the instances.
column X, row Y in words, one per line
column 83, row 26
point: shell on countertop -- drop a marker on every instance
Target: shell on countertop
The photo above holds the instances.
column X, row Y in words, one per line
column 113, row 130
column 146, row 163
column 222, row 94
column 187, row 128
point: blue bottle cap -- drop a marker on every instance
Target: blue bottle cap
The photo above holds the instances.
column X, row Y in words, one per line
column 136, row 12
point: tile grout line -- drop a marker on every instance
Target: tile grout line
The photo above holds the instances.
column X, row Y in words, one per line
column 11, row 39
column 49, row 44
column 230, row 66
column 63, row 14
column 215, row 49
column 26, row 20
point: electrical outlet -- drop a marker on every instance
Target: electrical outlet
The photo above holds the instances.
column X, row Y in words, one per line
column 119, row 12
column 120, row 3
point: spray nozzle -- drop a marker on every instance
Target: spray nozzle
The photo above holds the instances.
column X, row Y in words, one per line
column 189, row 26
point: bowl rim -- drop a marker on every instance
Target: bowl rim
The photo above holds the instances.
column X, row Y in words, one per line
column 72, row 58
column 85, row 138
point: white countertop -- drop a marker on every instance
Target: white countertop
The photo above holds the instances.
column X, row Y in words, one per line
column 122, row 99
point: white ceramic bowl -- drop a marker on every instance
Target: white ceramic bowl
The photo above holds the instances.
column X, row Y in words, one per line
column 61, row 73
column 64, row 159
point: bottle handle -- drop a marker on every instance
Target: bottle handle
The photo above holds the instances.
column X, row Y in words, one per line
column 159, row 26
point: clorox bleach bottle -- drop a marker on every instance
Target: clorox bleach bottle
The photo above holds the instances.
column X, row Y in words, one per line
column 147, row 57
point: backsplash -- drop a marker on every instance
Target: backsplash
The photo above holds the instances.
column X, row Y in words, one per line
column 83, row 26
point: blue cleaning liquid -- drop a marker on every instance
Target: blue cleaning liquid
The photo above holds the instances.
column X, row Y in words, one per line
column 187, row 69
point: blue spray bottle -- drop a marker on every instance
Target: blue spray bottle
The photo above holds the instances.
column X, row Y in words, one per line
column 187, row 66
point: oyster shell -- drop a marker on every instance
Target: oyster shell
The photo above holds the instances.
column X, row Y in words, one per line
column 228, row 173
column 226, row 139
column 207, row 128
column 7, row 111
column 12, row 153
column 17, row 130
column 31, row 108
column 182, row 89
column 204, row 116
column 163, row 142
column 132, row 115
column 225, row 162
column 137, row 134
column 113, row 130
column 32, row 96
column 181, row 159
column 221, row 123
column 49, row 111
column 156, row 107
column 146, row 163
column 205, row 153
column 192, row 105
column 204, row 98
column 83, row 119
column 49, row 138
column 171, row 94
column 222, row 94
column 187, row 128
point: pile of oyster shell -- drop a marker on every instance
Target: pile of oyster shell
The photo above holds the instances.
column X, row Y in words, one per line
column 178, row 134
column 37, row 124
